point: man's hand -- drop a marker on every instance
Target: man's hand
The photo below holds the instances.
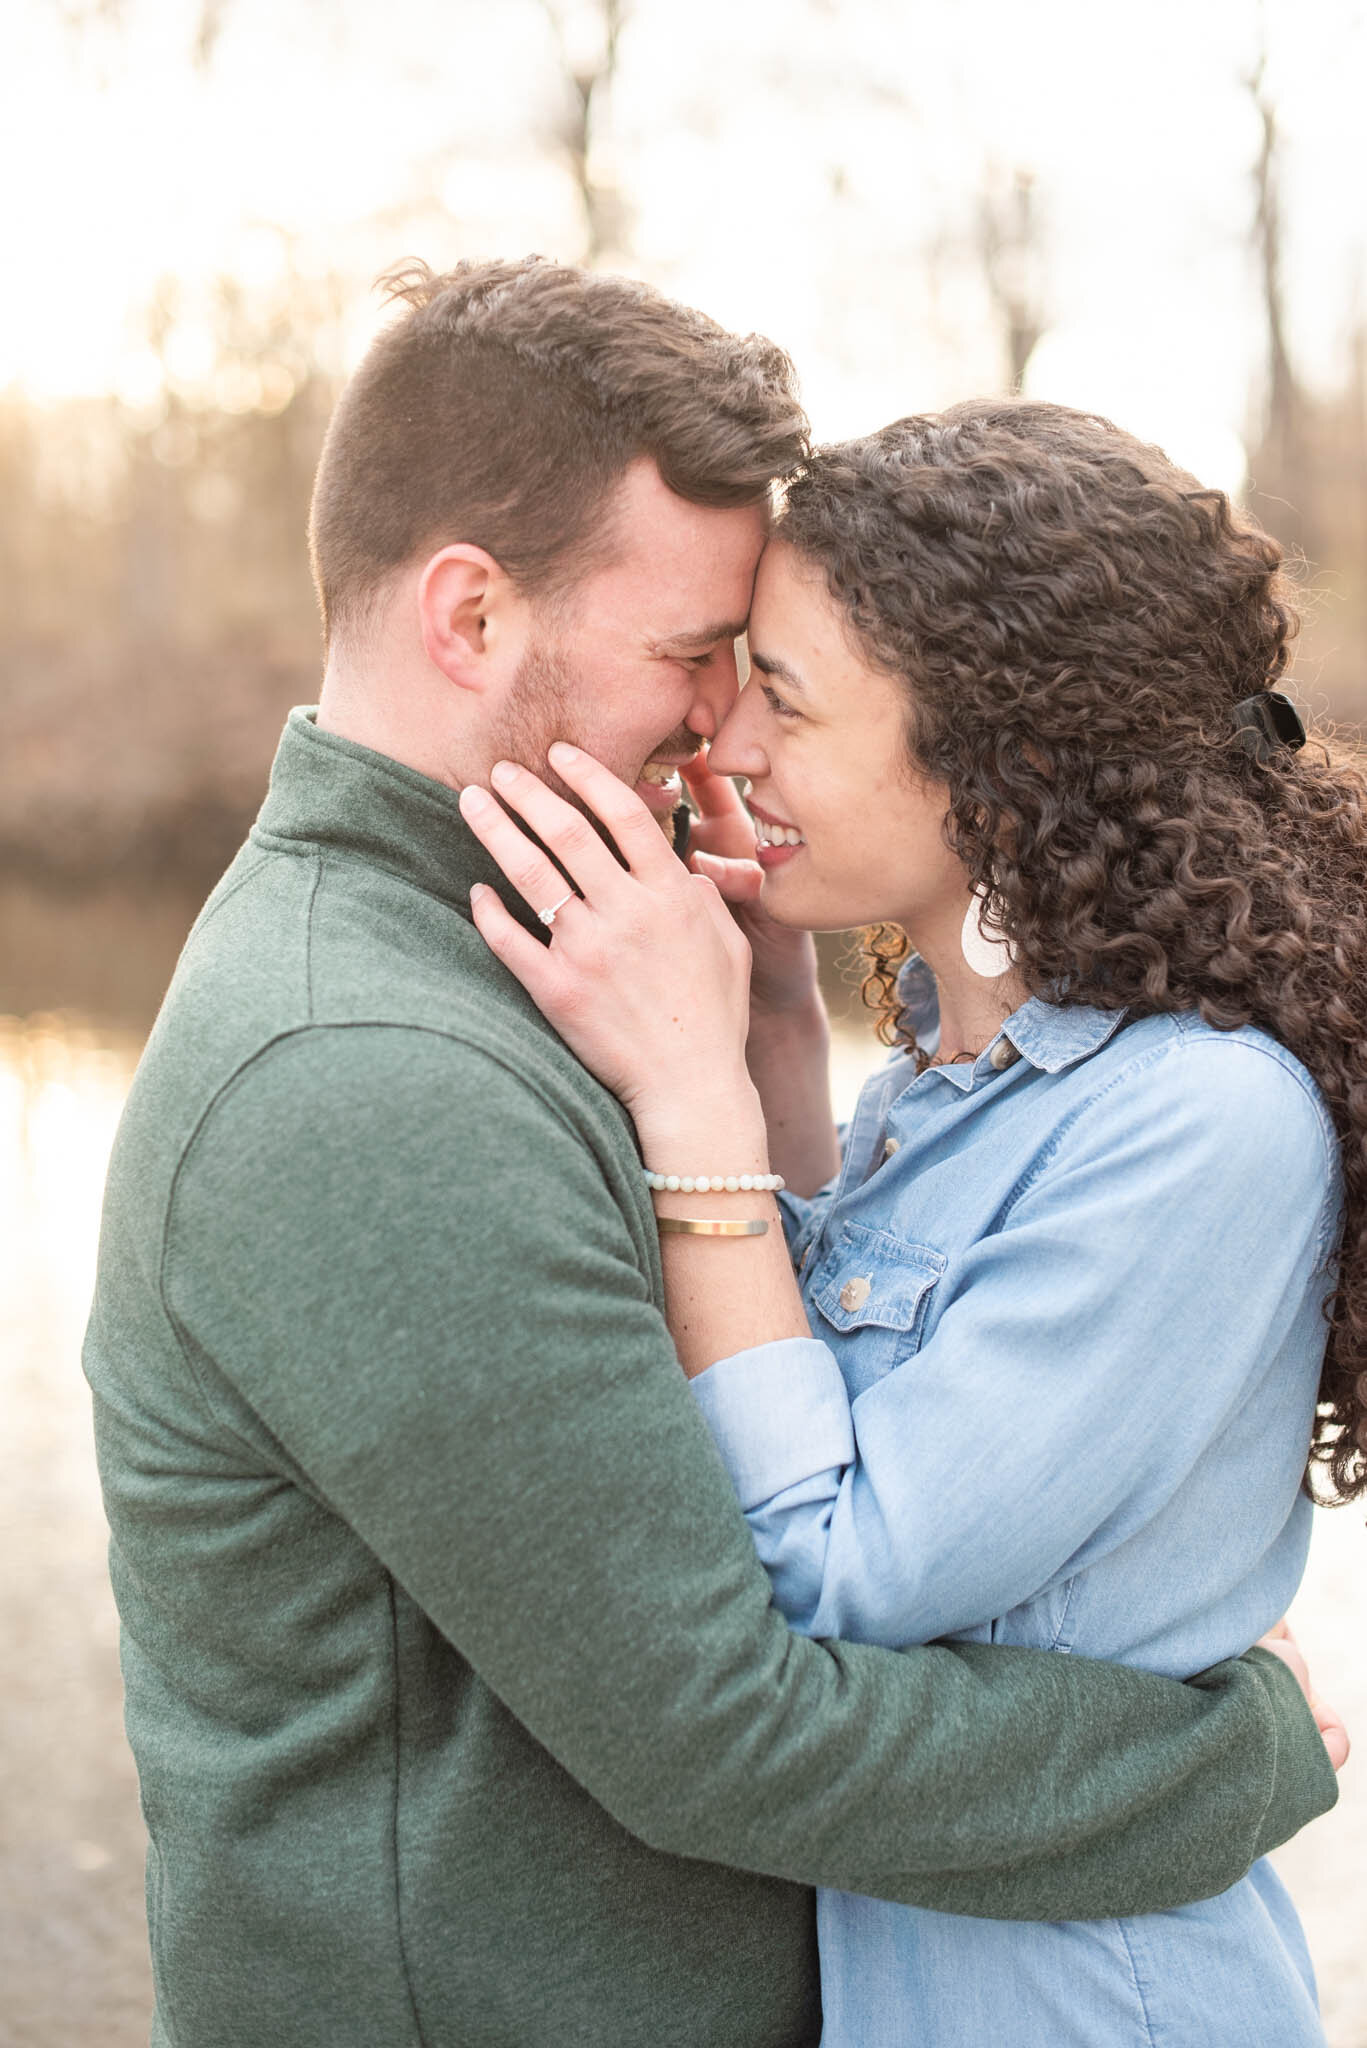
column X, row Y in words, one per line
column 1283, row 1644
column 722, row 847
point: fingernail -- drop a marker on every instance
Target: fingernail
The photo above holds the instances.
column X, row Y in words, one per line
column 562, row 754
column 503, row 772
column 473, row 798
column 478, row 889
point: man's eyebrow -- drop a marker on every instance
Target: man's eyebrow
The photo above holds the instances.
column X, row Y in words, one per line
column 699, row 636
column 770, row 665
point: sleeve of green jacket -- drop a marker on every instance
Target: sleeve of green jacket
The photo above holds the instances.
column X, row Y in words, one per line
column 412, row 1266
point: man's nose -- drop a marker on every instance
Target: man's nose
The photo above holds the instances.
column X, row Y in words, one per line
column 736, row 748
column 717, row 687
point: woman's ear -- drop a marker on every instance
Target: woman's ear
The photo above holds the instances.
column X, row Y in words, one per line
column 460, row 593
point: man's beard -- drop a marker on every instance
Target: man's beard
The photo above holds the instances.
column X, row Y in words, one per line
column 540, row 708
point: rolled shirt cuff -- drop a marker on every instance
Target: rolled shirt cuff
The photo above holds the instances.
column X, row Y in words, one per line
column 779, row 1413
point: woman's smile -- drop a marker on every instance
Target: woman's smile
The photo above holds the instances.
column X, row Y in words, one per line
column 775, row 841
column 819, row 727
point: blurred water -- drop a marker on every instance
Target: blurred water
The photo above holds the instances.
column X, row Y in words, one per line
column 78, row 987
column 72, row 1942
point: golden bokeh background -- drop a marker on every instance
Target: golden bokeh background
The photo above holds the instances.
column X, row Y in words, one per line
column 1157, row 213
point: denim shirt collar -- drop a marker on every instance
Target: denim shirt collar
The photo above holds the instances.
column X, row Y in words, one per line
column 1051, row 1036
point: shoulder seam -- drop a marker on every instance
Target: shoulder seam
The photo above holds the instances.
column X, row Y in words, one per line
column 1287, row 1063
column 173, row 1188
column 308, row 934
column 1136, row 1064
column 212, row 908
column 309, row 849
column 1277, row 1056
column 471, row 1042
column 395, row 1793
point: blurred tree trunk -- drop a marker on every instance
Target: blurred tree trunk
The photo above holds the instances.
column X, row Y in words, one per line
column 207, row 31
column 588, row 38
column 1011, row 252
column 1282, row 468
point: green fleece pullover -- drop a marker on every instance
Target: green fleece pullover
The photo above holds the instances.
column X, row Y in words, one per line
column 462, row 1715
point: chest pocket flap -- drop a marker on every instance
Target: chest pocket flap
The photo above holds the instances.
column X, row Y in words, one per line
column 871, row 1280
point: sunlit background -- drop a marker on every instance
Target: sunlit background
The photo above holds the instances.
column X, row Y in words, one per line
column 1158, row 213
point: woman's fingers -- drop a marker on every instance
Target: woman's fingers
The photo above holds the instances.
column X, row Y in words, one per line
column 783, row 962
column 724, row 825
column 1283, row 1644
column 571, row 836
column 634, row 829
column 610, row 984
column 1280, row 1641
column 704, row 891
column 1331, row 1727
column 738, row 881
column 535, row 877
column 577, row 845
column 716, row 794
column 525, row 956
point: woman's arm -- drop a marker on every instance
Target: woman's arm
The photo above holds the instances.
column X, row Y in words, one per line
column 646, row 978
column 1111, row 1821
column 787, row 1055
column 787, row 1050
column 1091, row 1349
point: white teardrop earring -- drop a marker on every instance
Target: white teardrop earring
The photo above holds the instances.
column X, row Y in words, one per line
column 986, row 948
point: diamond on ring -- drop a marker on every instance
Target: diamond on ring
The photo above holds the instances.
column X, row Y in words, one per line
column 548, row 915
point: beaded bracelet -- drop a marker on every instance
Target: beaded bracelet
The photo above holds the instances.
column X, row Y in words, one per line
column 714, row 1183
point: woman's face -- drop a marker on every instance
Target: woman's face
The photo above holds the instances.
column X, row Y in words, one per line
column 821, row 737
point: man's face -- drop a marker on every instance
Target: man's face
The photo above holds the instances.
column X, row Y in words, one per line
column 638, row 665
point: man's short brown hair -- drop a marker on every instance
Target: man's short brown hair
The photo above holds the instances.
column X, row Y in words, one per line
column 503, row 408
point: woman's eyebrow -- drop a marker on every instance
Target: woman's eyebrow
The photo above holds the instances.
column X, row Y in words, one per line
column 770, row 665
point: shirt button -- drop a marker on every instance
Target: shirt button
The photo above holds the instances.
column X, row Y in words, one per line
column 1003, row 1055
column 855, row 1293
column 891, row 1145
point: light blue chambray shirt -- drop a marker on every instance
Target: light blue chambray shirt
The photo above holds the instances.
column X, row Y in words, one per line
column 1066, row 1307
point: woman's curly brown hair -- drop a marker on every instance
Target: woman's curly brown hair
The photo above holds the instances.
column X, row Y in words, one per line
column 1076, row 619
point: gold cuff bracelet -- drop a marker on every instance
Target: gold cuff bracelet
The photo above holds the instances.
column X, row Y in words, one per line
column 697, row 1226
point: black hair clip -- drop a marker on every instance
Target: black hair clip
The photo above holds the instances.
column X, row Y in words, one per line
column 1266, row 721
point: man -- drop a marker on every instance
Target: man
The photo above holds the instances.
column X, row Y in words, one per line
column 461, row 1712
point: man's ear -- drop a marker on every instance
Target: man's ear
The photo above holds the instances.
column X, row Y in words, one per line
column 463, row 597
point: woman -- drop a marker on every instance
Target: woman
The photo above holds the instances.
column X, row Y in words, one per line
column 1048, row 1372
